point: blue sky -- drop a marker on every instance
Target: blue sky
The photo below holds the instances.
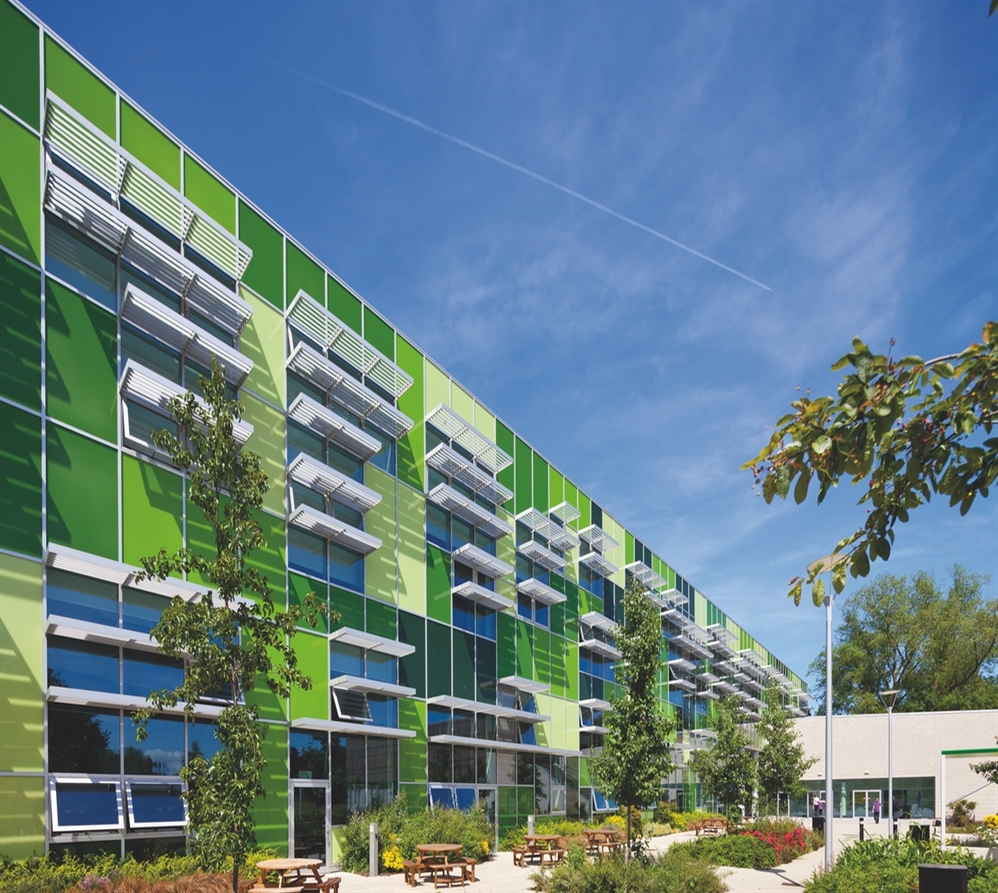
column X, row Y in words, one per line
column 843, row 154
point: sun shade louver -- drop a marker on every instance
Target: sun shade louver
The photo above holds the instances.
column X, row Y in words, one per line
column 481, row 560
column 155, row 392
column 565, row 512
column 599, row 621
column 370, row 686
column 646, row 576
column 539, row 591
column 598, row 539
column 682, row 684
column 82, row 209
column 689, row 645
column 468, row 510
column 318, row 324
column 596, row 704
column 452, row 703
column 470, row 439
column 536, row 522
column 521, row 683
column 673, row 597
column 598, row 564
column 327, row 424
column 371, row 642
column 334, row 530
column 337, row 727
column 483, row 596
column 187, row 338
column 216, row 303
column 540, row 555
column 320, row 477
column 90, row 150
column 348, row 392
column 563, row 540
column 598, row 646
column 708, row 695
column 726, row 688
column 453, row 465
column 681, row 664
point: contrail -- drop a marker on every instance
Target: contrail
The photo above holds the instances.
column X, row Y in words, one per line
column 415, row 122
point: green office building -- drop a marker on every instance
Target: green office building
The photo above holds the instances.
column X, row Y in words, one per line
column 476, row 585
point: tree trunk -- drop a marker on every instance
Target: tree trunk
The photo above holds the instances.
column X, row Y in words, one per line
column 627, row 845
column 235, row 874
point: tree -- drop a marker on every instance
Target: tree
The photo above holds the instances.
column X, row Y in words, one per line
column 940, row 651
column 229, row 645
column 782, row 761
column 989, row 768
column 906, row 429
column 636, row 754
column 727, row 770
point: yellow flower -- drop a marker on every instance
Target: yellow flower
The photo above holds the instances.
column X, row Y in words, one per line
column 392, row 858
column 485, row 847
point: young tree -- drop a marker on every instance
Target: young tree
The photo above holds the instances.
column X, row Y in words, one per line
column 782, row 761
column 903, row 429
column 727, row 770
column 636, row 754
column 229, row 643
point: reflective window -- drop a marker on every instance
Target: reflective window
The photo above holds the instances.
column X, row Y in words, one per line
column 70, row 595
column 464, row 613
column 162, row 751
column 82, row 665
column 346, row 568
column 437, row 720
column 80, row 262
column 465, row 765
column 149, row 353
column 525, row 606
column 309, row 755
column 201, row 740
column 383, row 667
column 437, row 526
column 486, row 766
column 385, row 457
column 442, row 797
column 345, row 660
column 80, row 805
column 141, row 611
column 301, row 440
column 465, row 797
column 145, row 673
column 306, row 553
column 82, row 739
column 154, row 805
column 485, row 622
column 542, row 614
column 384, row 711
column 461, row 532
column 439, row 762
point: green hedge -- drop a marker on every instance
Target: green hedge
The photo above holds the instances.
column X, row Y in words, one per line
column 737, row 850
column 673, row 872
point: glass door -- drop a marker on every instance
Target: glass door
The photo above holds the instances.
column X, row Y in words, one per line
column 862, row 803
column 309, row 820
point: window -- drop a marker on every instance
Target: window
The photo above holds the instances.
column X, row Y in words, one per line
column 202, row 740
column 442, row 797
column 155, row 805
column 80, row 262
column 145, row 672
column 464, row 614
column 438, row 526
column 162, row 751
column 346, row 568
column 309, row 753
column 70, row 595
column 140, row 611
column 84, row 740
column 306, row 553
column 84, row 805
column 437, row 720
column 82, row 665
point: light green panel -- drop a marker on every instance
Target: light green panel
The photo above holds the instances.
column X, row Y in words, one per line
column 150, row 145
column 572, row 498
column 438, row 584
column 82, row 493
column 524, row 650
column 380, row 568
column 412, row 445
column 506, row 551
column 411, row 550
column 586, row 508
column 700, row 612
column 556, row 487
column 263, row 342
column 152, row 510
column 81, row 350
column 337, row 843
column 298, row 588
column 80, row 87
column 485, row 421
column 269, row 559
column 412, row 751
column 22, row 816
column 616, row 556
column 20, row 172
column 559, row 681
column 209, row 193
column 19, row 90
column 313, row 661
column 21, row 668
column 437, row 387
column 543, row 729
column 270, row 813
column 268, row 443
column 560, row 722
column 571, row 726
column 462, row 403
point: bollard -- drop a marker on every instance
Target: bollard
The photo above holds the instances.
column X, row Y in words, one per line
column 372, row 862
column 895, row 829
column 862, row 830
column 530, row 824
column 942, row 878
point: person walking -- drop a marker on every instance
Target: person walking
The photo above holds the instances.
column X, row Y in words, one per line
column 876, row 811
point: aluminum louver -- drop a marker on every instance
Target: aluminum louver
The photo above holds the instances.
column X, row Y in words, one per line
column 597, row 538
column 540, row 555
column 327, row 424
column 320, row 477
column 483, row 450
column 598, row 564
column 482, row 596
column 539, row 591
column 334, row 530
column 452, row 464
column 481, row 560
column 467, row 509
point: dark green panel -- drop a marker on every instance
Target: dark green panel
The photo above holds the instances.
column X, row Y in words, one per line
column 303, row 274
column 81, row 88
column 265, row 272
column 150, row 145
column 20, row 331
column 523, row 462
column 505, row 441
column 540, row 484
column 571, row 600
column 524, row 649
column 438, row 588
column 381, row 619
column 269, row 560
column 558, row 619
column 82, row 493
column 524, row 803
column 437, row 659
column 542, row 655
column 507, row 807
column 19, row 89
column 485, row 670
column 20, row 481
column 379, row 334
column 411, row 446
column 506, row 645
column 20, row 174
column 210, row 194
column 81, row 358
column 464, row 665
column 270, row 813
column 412, row 669
column 299, row 587
column 349, row 606
column 343, row 305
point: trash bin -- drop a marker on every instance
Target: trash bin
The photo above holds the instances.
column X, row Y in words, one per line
column 942, row 878
column 818, row 823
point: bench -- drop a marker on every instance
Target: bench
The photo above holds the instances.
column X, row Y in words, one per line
column 542, row 854
column 710, row 827
column 443, row 876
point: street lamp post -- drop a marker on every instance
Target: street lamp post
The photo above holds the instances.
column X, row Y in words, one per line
column 828, row 563
column 889, row 698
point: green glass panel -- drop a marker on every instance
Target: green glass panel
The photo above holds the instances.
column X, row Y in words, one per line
column 270, row 812
column 20, row 332
column 412, row 667
column 506, row 442
column 411, row 549
column 629, row 547
column 344, row 305
column 438, row 646
column 412, row 751
column 349, row 606
column 540, row 484
column 263, row 342
column 20, row 481
column 73, row 82
column 485, row 670
column 411, row 446
column 18, row 63
column 267, row 442
column 523, row 462
column 507, row 806
column 298, row 588
column 81, row 358
column 572, row 670
column 542, row 655
column 506, row 645
column 416, row 799
column 524, row 804
column 559, row 680
column 22, row 813
column 150, row 145
column 378, row 333
column 464, row 665
column 20, row 209
column 22, row 676
column 524, row 650
column 381, row 619
column 152, row 510
column 304, row 274
column 558, row 619
column 269, row 559
column 82, row 493
column 556, row 487
column 313, row 660
column 381, row 580
column 209, row 193
column 265, row 272
column 438, row 584
column 200, row 539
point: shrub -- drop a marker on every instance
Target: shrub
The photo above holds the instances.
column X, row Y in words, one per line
column 680, row 820
column 570, row 830
column 736, row 850
column 670, row 873
column 963, row 813
column 663, row 812
column 788, row 839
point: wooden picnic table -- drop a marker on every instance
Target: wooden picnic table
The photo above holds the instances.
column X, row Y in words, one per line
column 600, row 841
column 296, row 876
column 435, row 859
column 437, row 852
column 542, row 847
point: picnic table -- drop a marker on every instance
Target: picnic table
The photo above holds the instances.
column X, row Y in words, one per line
column 435, row 860
column 542, row 847
column 602, row 841
column 294, row 876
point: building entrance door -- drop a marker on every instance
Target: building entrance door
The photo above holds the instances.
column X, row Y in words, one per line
column 310, row 820
column 862, row 803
